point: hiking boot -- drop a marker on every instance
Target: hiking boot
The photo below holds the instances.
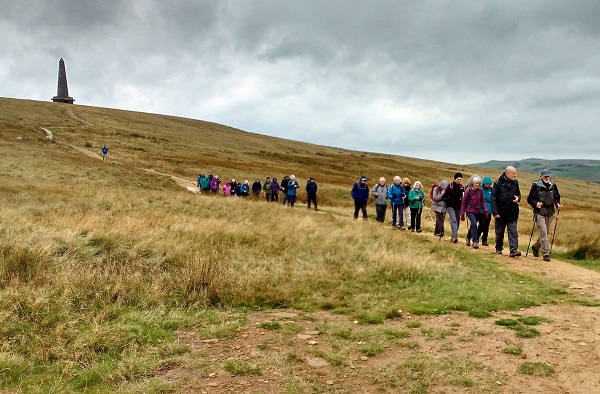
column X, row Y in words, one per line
column 536, row 251
column 454, row 240
column 546, row 258
column 515, row 253
column 468, row 242
column 402, row 228
column 498, row 251
column 484, row 243
column 419, row 230
column 394, row 228
column 475, row 245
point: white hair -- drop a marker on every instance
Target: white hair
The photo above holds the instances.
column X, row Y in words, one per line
column 397, row 178
column 417, row 183
column 474, row 179
column 292, row 177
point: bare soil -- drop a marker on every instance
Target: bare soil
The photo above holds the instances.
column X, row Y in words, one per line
column 299, row 357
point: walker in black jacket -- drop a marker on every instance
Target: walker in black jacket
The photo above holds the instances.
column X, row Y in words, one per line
column 506, row 196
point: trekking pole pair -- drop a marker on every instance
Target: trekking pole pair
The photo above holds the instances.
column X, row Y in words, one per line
column 553, row 234
column 531, row 236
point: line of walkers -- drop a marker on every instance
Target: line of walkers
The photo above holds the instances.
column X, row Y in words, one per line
column 478, row 201
column 269, row 190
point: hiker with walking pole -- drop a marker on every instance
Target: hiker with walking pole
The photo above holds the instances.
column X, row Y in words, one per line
column 416, row 197
column 544, row 198
column 396, row 194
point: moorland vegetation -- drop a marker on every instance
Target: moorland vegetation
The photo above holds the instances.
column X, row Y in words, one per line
column 101, row 263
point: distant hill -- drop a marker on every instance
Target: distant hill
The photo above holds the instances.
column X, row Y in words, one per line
column 584, row 170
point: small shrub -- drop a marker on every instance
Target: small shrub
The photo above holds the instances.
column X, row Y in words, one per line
column 535, row 368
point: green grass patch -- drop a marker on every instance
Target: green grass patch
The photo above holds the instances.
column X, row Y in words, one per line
column 271, row 326
column 533, row 320
column 527, row 332
column 370, row 319
column 423, row 374
column 513, row 350
column 371, row 349
column 437, row 333
column 479, row 314
column 392, row 333
column 536, row 369
column 413, row 324
column 523, row 331
column 510, row 323
column 242, row 367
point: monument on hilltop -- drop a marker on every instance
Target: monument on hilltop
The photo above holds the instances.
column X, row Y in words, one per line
column 62, row 93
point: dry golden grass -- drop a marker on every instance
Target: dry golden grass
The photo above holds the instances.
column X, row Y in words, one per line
column 101, row 262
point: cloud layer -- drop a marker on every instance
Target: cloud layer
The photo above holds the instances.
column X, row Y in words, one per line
column 458, row 81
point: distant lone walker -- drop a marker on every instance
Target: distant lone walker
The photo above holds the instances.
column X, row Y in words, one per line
column 104, row 153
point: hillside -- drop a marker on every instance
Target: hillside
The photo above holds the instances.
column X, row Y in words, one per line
column 585, row 170
column 115, row 278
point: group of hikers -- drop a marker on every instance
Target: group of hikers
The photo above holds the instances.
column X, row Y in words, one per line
column 270, row 189
column 479, row 201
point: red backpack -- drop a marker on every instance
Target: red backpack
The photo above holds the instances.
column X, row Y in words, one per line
column 432, row 189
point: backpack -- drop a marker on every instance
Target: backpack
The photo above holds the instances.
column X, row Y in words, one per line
column 432, row 189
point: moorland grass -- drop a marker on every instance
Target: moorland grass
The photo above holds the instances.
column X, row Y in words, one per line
column 102, row 263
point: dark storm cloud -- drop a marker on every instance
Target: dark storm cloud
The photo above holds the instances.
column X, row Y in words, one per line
column 459, row 81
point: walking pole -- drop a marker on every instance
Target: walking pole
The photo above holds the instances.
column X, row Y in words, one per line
column 429, row 213
column 553, row 234
column 531, row 236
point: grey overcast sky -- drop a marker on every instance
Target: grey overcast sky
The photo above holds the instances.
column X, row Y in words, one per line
column 457, row 81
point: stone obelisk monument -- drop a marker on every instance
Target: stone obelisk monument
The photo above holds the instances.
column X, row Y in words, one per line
column 62, row 93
